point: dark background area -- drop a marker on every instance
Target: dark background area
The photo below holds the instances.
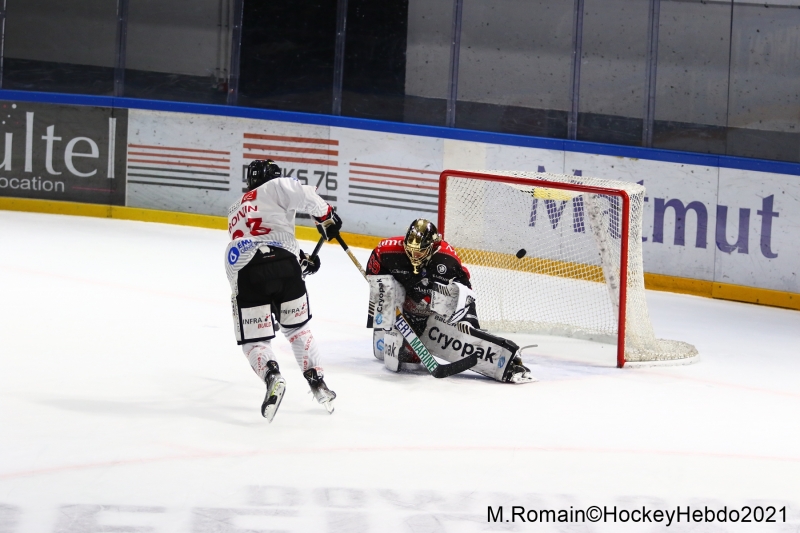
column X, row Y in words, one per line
column 723, row 78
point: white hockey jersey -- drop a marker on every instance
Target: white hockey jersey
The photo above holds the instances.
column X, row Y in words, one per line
column 265, row 217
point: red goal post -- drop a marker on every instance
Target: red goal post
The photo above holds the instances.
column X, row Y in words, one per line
column 493, row 217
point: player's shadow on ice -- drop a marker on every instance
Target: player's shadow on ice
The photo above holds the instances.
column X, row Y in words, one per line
column 543, row 368
column 226, row 414
column 203, row 402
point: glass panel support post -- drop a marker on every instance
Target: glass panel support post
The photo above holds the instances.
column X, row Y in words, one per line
column 650, row 73
column 2, row 39
column 577, row 53
column 122, row 45
column 455, row 48
column 338, row 58
column 236, row 52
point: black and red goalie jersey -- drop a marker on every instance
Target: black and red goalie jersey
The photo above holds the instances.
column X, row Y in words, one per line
column 441, row 265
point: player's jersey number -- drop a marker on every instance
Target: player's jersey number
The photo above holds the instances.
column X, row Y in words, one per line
column 255, row 228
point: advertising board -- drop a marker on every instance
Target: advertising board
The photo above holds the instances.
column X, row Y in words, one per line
column 702, row 222
column 63, row 152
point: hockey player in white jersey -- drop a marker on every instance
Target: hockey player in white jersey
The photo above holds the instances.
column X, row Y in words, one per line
column 265, row 268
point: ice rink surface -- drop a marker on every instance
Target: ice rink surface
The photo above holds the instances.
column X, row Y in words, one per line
column 126, row 406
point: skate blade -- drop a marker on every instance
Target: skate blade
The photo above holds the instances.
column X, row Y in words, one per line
column 274, row 401
column 328, row 406
column 522, row 378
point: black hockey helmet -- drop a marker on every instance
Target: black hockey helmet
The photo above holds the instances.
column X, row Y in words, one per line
column 261, row 171
column 421, row 242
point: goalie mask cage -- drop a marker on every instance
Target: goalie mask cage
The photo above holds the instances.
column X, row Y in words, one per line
column 556, row 254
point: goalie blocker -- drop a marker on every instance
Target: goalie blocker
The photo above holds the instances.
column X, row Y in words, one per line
column 441, row 337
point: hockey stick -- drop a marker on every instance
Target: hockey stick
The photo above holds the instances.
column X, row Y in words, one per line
column 319, row 245
column 436, row 369
column 351, row 256
column 316, row 251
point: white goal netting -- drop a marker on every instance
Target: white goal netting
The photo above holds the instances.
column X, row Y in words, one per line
column 547, row 260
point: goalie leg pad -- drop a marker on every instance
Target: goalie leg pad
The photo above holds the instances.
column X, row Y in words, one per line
column 385, row 294
column 378, row 343
column 449, row 343
column 393, row 341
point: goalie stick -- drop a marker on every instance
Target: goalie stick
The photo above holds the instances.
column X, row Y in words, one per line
column 436, row 369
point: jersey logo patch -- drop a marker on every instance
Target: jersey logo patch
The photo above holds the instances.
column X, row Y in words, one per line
column 441, row 269
column 250, row 196
column 233, row 256
column 374, row 266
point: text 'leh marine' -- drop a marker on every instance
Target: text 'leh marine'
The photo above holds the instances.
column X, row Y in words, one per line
column 423, row 276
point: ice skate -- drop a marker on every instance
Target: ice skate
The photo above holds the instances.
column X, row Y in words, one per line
column 519, row 372
column 321, row 392
column 276, row 386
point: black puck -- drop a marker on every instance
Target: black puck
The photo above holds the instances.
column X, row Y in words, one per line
column 521, row 253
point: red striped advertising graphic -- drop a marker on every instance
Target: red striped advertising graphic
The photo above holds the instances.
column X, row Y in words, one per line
column 313, row 161
column 286, row 149
column 174, row 166
column 394, row 187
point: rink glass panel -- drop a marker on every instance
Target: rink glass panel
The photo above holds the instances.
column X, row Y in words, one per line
column 427, row 61
column 692, row 82
column 613, row 71
column 178, row 50
column 287, row 55
column 515, row 67
column 397, row 60
column 764, row 108
column 56, row 46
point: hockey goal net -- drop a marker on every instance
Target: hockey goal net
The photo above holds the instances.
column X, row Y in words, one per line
column 556, row 254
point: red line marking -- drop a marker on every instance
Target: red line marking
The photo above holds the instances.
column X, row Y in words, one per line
column 290, row 139
column 180, row 149
column 395, row 168
column 295, row 160
column 362, row 180
column 403, row 449
column 271, row 148
column 426, row 180
column 146, row 154
column 176, row 163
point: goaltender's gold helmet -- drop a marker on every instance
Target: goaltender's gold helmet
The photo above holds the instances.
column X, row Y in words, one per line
column 421, row 242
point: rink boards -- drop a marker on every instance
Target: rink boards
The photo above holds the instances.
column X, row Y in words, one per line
column 709, row 228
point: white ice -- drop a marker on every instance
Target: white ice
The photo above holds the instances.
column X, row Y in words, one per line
column 126, row 406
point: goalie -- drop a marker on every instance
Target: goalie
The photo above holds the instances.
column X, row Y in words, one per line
column 423, row 276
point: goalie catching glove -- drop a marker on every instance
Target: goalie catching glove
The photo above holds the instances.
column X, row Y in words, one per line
column 329, row 224
column 309, row 264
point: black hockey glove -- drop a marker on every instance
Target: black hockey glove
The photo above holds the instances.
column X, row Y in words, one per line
column 309, row 264
column 329, row 225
